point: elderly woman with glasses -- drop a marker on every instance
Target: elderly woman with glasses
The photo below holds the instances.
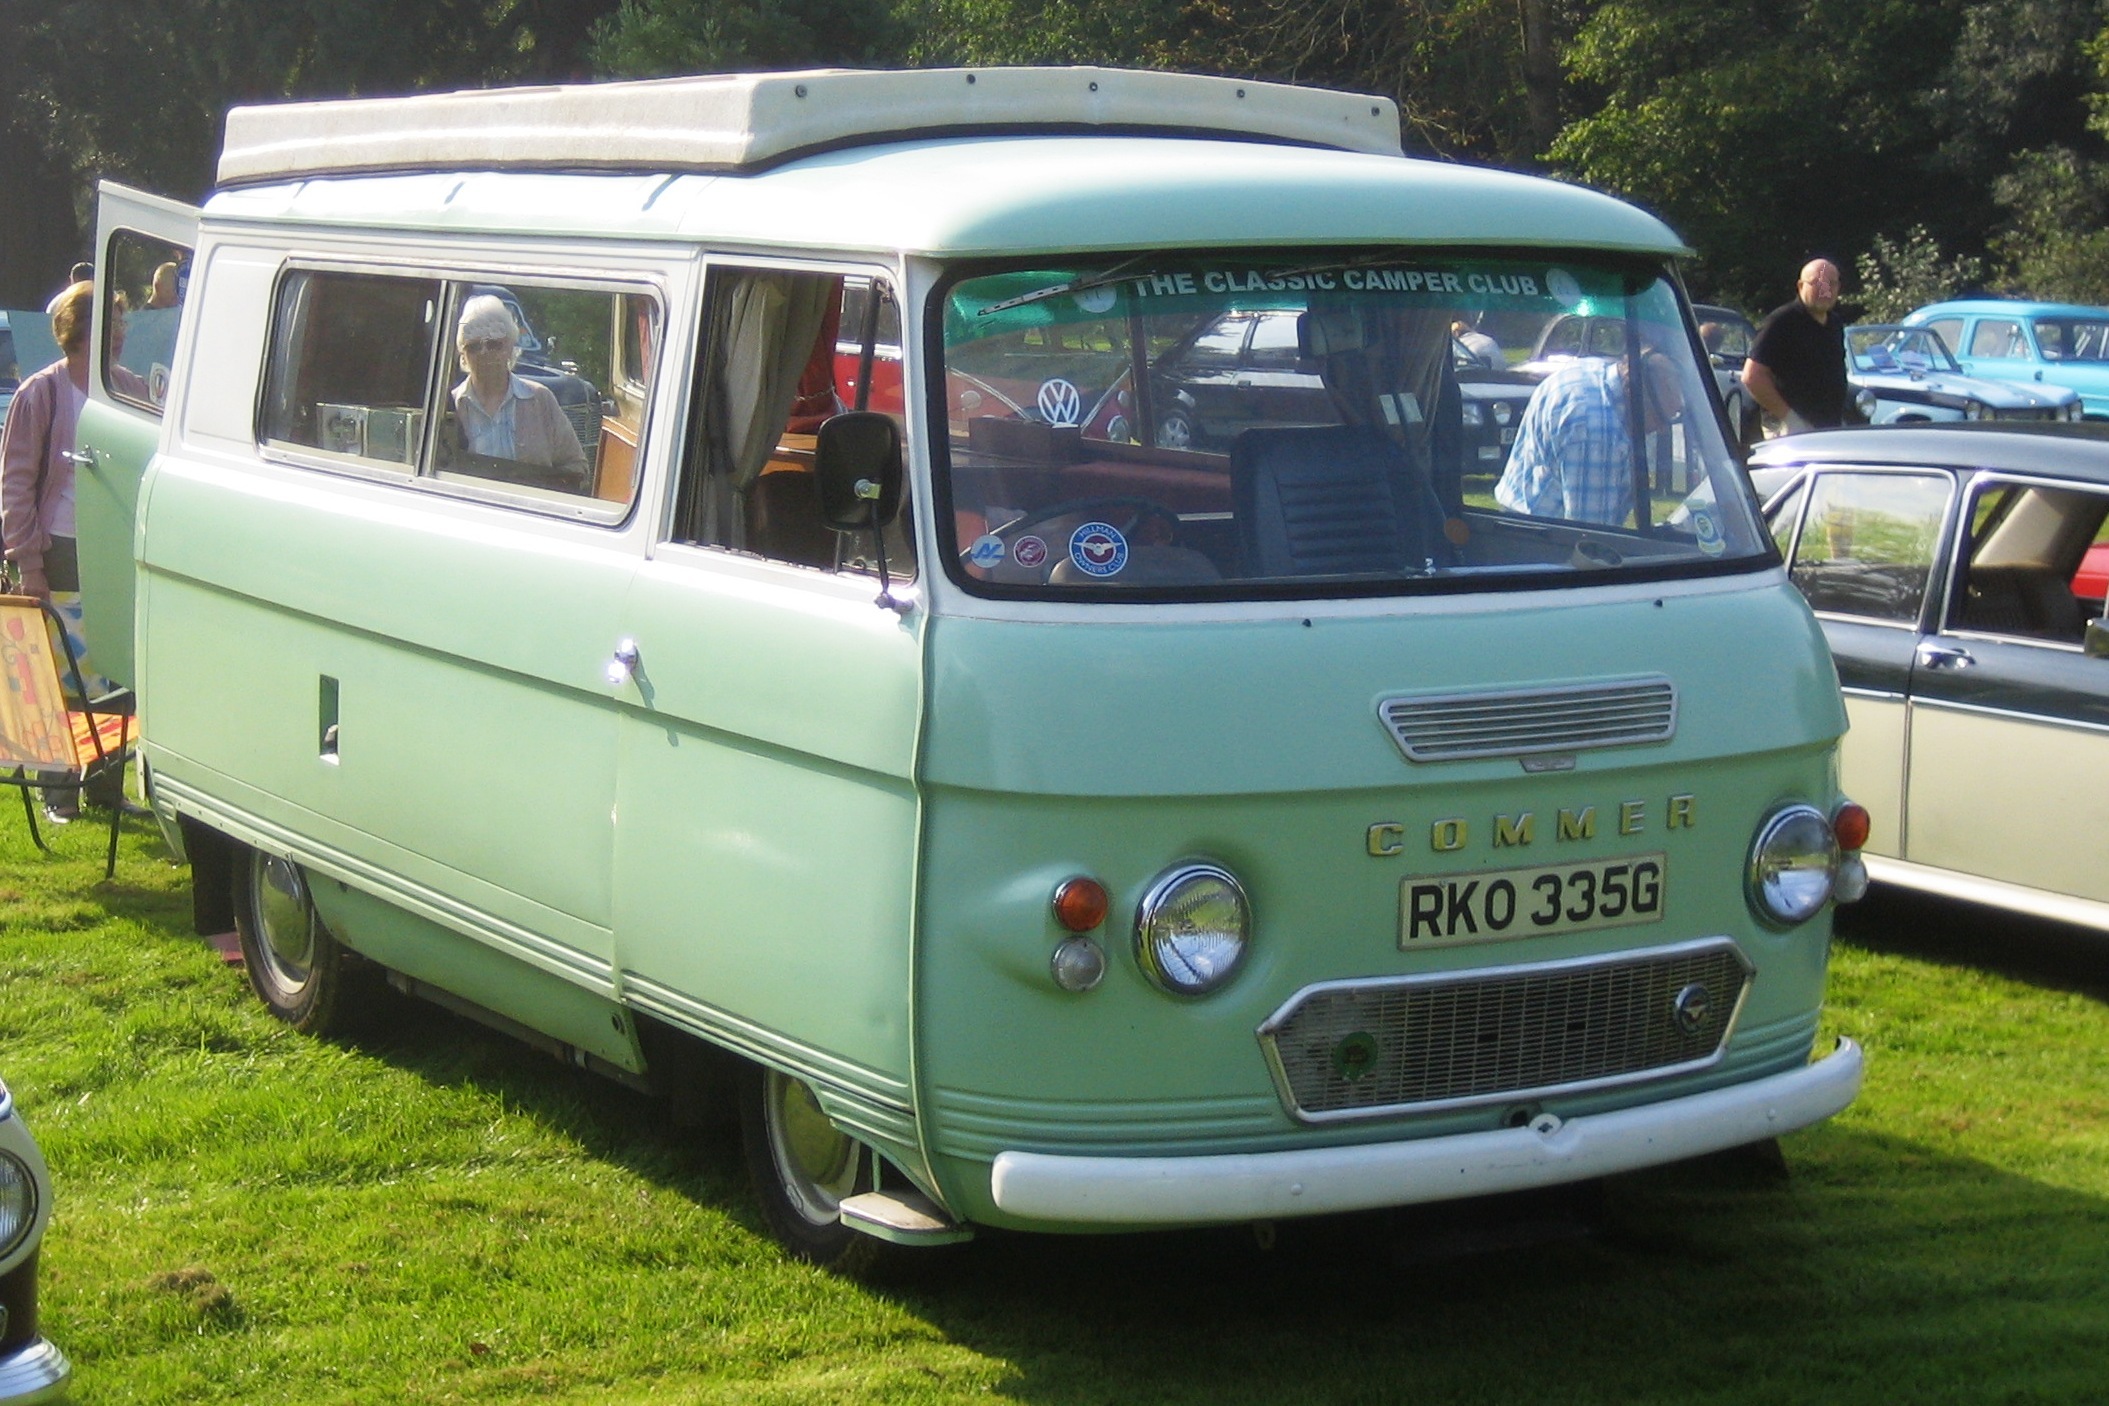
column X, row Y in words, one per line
column 503, row 416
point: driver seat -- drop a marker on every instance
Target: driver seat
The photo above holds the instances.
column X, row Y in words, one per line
column 1329, row 500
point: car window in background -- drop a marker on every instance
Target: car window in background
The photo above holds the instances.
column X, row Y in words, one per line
column 1997, row 339
column 1786, row 518
column 1868, row 544
column 2027, row 542
column 2072, row 339
column 1950, row 331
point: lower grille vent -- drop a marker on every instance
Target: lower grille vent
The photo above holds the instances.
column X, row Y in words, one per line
column 1356, row 1049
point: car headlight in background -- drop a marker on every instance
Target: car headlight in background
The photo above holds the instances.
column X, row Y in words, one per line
column 1502, row 412
column 18, row 1202
column 1474, row 415
column 2072, row 411
column 1864, row 401
column 1976, row 410
column 1793, row 865
column 1192, row 929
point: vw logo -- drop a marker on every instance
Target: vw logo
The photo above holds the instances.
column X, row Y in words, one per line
column 1060, row 403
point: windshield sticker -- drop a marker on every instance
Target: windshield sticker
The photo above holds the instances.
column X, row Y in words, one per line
column 1098, row 549
column 1560, row 283
column 1708, row 532
column 1029, row 552
column 1060, row 402
column 1097, row 301
column 987, row 551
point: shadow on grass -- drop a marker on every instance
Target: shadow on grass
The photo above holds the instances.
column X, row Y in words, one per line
column 2056, row 956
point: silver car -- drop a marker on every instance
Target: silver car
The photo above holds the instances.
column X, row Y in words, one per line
column 31, row 1369
column 1913, row 377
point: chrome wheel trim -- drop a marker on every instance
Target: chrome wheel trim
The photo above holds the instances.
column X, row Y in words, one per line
column 285, row 922
column 816, row 1163
column 1175, row 431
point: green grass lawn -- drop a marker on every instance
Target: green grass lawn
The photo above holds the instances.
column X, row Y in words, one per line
column 428, row 1212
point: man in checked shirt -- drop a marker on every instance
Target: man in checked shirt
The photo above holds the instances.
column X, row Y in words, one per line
column 1574, row 456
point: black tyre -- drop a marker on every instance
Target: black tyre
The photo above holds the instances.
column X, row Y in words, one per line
column 803, row 1168
column 296, row 968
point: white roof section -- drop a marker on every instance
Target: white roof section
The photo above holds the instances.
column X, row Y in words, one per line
column 994, row 196
column 732, row 122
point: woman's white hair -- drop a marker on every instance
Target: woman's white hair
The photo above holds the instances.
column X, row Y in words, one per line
column 486, row 315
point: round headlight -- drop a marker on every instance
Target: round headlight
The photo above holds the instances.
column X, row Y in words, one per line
column 1974, row 410
column 1502, row 412
column 1192, row 929
column 18, row 1202
column 1793, row 864
column 1864, row 401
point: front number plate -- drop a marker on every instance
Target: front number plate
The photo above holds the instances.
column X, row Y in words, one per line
column 1445, row 910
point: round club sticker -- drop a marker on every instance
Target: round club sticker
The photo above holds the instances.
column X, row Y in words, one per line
column 1061, row 403
column 987, row 551
column 1029, row 552
column 1098, row 549
column 1096, row 300
column 1560, row 283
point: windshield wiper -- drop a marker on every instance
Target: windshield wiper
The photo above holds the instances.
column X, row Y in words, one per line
column 1074, row 285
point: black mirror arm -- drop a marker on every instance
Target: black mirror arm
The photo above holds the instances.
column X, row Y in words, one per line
column 870, row 492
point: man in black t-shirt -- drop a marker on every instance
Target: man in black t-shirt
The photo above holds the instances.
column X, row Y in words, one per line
column 1796, row 369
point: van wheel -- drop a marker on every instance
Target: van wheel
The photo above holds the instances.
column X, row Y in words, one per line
column 295, row 966
column 803, row 1168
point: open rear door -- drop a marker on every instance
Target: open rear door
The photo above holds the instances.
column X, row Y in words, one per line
column 143, row 246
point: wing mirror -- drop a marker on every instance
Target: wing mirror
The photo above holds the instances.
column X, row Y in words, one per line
column 857, row 468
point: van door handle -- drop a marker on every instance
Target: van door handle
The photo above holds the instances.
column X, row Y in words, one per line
column 83, row 457
column 622, row 665
column 1942, row 656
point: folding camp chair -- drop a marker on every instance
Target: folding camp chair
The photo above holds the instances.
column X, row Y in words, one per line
column 49, row 745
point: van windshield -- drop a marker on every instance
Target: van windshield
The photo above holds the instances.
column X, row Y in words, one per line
column 1199, row 426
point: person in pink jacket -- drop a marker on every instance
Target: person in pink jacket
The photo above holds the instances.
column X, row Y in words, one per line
column 36, row 479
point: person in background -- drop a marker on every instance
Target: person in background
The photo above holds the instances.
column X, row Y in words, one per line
column 1483, row 349
column 37, row 485
column 1574, row 456
column 163, row 293
column 1796, row 368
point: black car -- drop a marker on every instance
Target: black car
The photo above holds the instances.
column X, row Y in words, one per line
column 1947, row 566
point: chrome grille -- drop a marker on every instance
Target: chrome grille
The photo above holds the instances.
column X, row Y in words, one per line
column 1354, row 1049
column 1518, row 722
column 584, row 416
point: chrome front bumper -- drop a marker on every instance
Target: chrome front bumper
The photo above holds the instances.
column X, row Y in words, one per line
column 34, row 1373
column 1146, row 1191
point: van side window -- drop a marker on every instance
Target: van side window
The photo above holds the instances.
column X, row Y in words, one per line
column 351, row 364
column 534, row 391
column 529, row 402
column 144, row 282
column 784, row 351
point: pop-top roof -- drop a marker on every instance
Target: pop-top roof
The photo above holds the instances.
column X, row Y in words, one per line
column 735, row 121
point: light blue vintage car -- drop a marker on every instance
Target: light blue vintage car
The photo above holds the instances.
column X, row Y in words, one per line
column 1913, row 378
column 2011, row 339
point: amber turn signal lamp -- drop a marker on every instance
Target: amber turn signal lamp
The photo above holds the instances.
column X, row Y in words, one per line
column 1850, row 824
column 1080, row 903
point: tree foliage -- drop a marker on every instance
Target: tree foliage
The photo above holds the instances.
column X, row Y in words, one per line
column 1898, row 275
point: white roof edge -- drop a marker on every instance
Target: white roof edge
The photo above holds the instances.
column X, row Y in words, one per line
column 731, row 121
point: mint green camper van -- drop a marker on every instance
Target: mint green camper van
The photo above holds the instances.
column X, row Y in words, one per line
column 1009, row 617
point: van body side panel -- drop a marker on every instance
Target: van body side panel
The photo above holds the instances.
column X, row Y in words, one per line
column 766, row 851
column 457, row 649
column 1282, row 785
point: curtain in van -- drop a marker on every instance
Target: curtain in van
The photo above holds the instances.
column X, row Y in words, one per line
column 769, row 320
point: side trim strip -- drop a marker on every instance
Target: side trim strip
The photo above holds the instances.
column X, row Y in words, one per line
column 2081, row 912
column 1945, row 705
column 529, row 946
column 1146, row 1191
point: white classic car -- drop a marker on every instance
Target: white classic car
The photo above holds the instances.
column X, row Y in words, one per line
column 1913, row 377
